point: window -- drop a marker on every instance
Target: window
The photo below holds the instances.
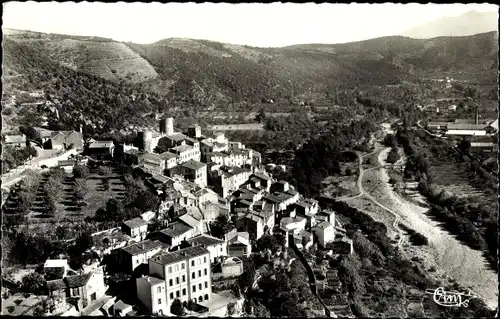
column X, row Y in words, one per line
column 192, row 262
column 199, row 273
column 194, row 288
column 183, row 266
column 137, row 261
column 159, row 301
column 205, row 271
column 200, row 286
column 183, row 291
column 204, row 260
column 176, row 268
column 206, row 284
column 192, row 275
column 76, row 292
column 176, row 280
column 159, row 289
column 170, row 269
column 221, row 249
column 170, row 282
column 171, row 295
column 183, row 278
column 178, row 293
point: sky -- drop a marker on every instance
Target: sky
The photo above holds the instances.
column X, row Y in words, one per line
column 255, row 24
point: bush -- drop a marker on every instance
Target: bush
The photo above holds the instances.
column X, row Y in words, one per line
column 419, row 239
column 7, row 111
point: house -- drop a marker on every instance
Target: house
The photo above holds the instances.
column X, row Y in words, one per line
column 101, row 149
column 229, row 180
column 170, row 159
column 175, row 233
column 265, row 181
column 55, row 269
column 194, row 131
column 62, row 140
column 324, row 232
column 186, row 274
column 238, row 244
column 436, row 127
column 206, row 195
column 134, row 255
column 67, row 165
column 232, row 266
column 293, row 224
column 186, row 153
column 307, row 208
column 252, row 224
column 286, row 199
column 151, row 292
column 193, row 171
column 152, row 163
column 82, row 289
column 484, row 147
column 158, row 182
column 466, row 129
column 216, row 247
column 303, row 239
column 136, row 228
column 326, row 215
column 126, row 153
column 268, row 218
column 120, row 308
column 15, row 140
column 190, row 220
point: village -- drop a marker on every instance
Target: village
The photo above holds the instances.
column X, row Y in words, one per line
column 217, row 204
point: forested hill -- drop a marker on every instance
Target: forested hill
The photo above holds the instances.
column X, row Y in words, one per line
column 103, row 78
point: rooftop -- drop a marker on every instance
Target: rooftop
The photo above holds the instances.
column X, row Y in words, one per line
column 152, row 157
column 142, row 247
column 175, row 229
column 101, row 144
column 262, row 176
column 78, row 280
column 55, row 263
column 189, row 220
column 194, row 165
column 205, row 240
column 453, row 126
column 182, row 148
column 15, row 139
column 153, row 280
column 136, row 222
column 177, row 137
column 182, row 254
column 167, row 155
column 160, row 178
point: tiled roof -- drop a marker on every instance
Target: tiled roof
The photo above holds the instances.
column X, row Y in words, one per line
column 189, row 220
column 153, row 280
column 194, row 165
column 160, row 178
column 168, row 155
column 453, row 126
column 176, row 229
column 152, row 157
column 136, row 222
column 205, row 240
column 177, row 137
column 142, row 247
column 271, row 198
column 182, row 148
column 101, row 144
column 182, row 254
column 78, row 280
column 261, row 176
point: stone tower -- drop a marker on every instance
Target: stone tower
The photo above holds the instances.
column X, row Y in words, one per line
column 170, row 126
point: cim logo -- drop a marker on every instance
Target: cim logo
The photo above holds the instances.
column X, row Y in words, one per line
column 451, row 298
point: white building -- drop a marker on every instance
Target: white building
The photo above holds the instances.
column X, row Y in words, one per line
column 134, row 255
column 216, row 246
column 186, row 275
column 325, row 232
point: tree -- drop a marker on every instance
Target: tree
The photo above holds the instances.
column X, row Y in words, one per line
column 105, row 172
column 261, row 116
column 177, row 308
column 393, row 156
column 33, row 283
column 221, row 226
column 31, row 133
column 80, row 171
column 231, row 309
column 464, row 146
column 80, row 189
column 50, row 208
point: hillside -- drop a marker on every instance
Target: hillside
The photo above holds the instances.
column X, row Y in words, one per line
column 97, row 79
column 470, row 23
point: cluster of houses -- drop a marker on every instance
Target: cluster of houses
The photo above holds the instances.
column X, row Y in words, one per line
column 175, row 260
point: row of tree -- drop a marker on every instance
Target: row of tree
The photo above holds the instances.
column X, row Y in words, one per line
column 13, row 157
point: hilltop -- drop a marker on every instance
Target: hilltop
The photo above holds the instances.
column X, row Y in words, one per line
column 100, row 78
column 470, row 23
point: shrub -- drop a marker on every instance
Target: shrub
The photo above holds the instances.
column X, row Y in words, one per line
column 7, row 111
column 419, row 239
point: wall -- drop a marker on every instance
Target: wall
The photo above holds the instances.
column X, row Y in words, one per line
column 232, row 270
column 50, row 162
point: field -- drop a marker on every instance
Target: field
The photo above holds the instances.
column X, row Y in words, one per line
column 66, row 210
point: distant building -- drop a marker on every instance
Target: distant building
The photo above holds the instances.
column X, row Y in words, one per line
column 193, row 171
column 186, row 153
column 229, row 180
column 326, row 215
column 186, row 274
column 152, row 163
column 175, row 233
column 14, row 140
column 216, row 247
column 325, row 232
column 252, row 224
column 151, row 292
column 238, row 244
column 63, row 140
column 466, row 129
column 134, row 255
column 136, row 228
column 307, row 208
column 101, row 149
column 343, row 246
